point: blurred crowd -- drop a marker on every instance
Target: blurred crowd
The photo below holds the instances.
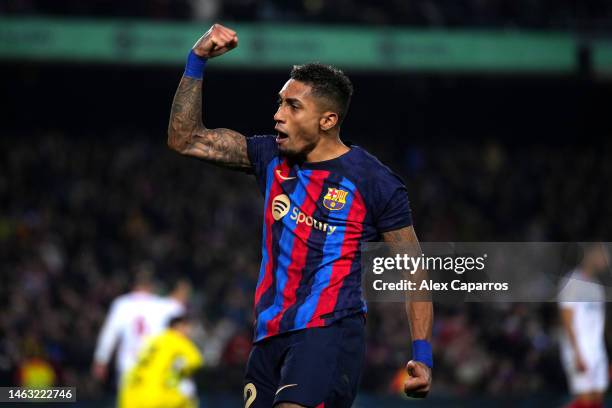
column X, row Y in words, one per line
column 556, row 14
column 78, row 214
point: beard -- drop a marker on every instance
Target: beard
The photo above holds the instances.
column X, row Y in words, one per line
column 296, row 155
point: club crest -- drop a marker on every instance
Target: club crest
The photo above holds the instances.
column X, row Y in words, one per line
column 335, row 199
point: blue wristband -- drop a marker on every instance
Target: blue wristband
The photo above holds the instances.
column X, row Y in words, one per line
column 195, row 66
column 421, row 352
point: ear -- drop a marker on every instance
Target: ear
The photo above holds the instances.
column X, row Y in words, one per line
column 328, row 120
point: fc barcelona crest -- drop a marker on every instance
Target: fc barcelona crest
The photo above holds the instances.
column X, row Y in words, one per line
column 335, row 199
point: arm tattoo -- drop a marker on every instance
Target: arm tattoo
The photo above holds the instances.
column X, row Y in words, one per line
column 186, row 113
column 187, row 134
column 420, row 311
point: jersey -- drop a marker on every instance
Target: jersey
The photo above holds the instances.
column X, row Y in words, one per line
column 161, row 376
column 315, row 217
column 586, row 298
column 132, row 318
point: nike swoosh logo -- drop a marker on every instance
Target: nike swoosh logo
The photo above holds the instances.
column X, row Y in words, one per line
column 283, row 387
column 278, row 172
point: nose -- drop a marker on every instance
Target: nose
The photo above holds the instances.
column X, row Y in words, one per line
column 278, row 117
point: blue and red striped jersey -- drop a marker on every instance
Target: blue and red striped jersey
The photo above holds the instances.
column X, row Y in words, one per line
column 315, row 217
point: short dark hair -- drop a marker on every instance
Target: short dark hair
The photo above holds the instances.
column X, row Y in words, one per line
column 327, row 82
column 176, row 320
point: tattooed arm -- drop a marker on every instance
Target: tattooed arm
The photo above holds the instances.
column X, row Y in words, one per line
column 187, row 134
column 420, row 315
column 186, row 131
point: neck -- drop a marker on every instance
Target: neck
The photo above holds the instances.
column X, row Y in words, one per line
column 328, row 148
column 587, row 270
column 179, row 297
column 140, row 289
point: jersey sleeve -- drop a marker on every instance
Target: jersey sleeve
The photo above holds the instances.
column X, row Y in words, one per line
column 192, row 358
column 261, row 150
column 391, row 206
column 109, row 335
column 576, row 291
column 170, row 308
column 573, row 292
column 567, row 292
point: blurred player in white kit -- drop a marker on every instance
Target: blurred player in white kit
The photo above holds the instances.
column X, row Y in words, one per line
column 134, row 317
column 583, row 349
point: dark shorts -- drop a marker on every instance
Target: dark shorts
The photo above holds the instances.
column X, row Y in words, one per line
column 318, row 367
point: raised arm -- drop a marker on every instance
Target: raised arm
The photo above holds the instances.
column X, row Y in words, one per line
column 420, row 318
column 186, row 131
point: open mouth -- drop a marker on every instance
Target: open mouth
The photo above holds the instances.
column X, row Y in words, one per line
column 281, row 136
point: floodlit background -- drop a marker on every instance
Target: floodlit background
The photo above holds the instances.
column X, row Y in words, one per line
column 495, row 112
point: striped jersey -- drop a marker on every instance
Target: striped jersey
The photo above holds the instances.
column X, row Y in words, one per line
column 315, row 217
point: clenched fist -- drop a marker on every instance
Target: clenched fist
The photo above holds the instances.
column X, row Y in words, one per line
column 419, row 380
column 217, row 41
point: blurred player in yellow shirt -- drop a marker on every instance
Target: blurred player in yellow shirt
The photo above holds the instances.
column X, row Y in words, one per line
column 162, row 374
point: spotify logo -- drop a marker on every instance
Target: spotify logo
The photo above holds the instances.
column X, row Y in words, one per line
column 250, row 394
column 280, row 206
